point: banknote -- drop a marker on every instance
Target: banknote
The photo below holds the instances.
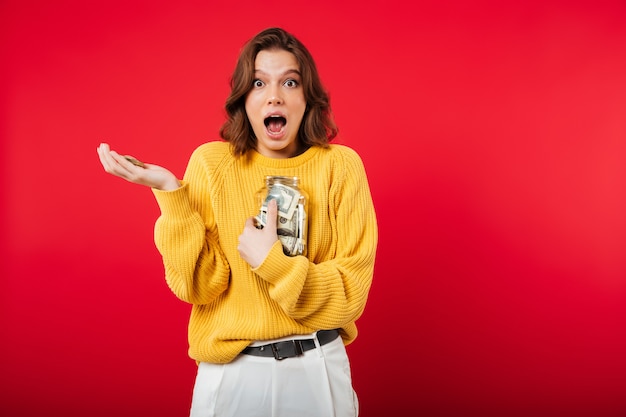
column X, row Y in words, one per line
column 287, row 230
column 291, row 218
column 287, row 201
column 300, row 248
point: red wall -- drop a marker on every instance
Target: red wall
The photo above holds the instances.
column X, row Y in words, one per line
column 495, row 140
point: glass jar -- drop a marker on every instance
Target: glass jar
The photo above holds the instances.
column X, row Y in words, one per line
column 291, row 224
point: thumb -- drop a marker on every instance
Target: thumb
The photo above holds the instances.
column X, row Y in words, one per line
column 272, row 214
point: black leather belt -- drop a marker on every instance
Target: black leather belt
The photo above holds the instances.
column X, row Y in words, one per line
column 291, row 348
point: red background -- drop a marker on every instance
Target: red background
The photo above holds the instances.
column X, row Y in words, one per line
column 494, row 136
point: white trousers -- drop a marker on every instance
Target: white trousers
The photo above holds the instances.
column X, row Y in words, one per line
column 316, row 384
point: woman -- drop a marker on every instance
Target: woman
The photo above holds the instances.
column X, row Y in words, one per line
column 268, row 329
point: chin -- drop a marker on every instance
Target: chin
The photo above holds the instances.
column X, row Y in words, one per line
column 277, row 144
column 278, row 147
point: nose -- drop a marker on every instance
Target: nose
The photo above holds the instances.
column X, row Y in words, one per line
column 273, row 96
column 273, row 99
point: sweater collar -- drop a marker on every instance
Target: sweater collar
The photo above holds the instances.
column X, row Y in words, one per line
column 293, row 162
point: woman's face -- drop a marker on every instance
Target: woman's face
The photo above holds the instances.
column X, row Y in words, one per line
column 275, row 105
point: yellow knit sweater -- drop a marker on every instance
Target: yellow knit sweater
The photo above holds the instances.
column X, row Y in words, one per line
column 197, row 235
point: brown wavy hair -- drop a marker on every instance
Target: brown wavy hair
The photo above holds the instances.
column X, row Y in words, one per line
column 317, row 127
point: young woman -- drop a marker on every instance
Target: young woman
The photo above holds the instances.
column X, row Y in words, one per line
column 268, row 327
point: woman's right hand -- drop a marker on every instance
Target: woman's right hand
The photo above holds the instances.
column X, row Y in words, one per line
column 150, row 175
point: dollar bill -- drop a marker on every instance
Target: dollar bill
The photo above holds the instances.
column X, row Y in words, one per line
column 287, row 201
column 287, row 230
column 300, row 247
column 291, row 218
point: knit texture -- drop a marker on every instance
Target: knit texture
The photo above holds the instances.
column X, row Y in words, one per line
column 197, row 235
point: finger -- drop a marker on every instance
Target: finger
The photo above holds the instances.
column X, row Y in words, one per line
column 105, row 159
column 115, row 164
column 272, row 212
column 249, row 223
column 126, row 166
column 104, row 151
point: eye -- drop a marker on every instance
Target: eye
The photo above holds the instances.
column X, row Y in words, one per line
column 257, row 83
column 291, row 83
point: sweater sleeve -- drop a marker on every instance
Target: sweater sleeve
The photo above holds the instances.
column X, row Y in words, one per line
column 185, row 234
column 333, row 293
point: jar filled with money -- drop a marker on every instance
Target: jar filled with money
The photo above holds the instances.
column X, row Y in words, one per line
column 292, row 208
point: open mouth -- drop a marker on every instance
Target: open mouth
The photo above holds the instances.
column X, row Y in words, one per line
column 275, row 123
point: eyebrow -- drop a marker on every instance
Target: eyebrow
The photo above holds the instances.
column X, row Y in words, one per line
column 287, row 72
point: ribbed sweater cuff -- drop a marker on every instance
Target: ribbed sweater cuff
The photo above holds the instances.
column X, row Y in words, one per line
column 276, row 265
column 174, row 203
